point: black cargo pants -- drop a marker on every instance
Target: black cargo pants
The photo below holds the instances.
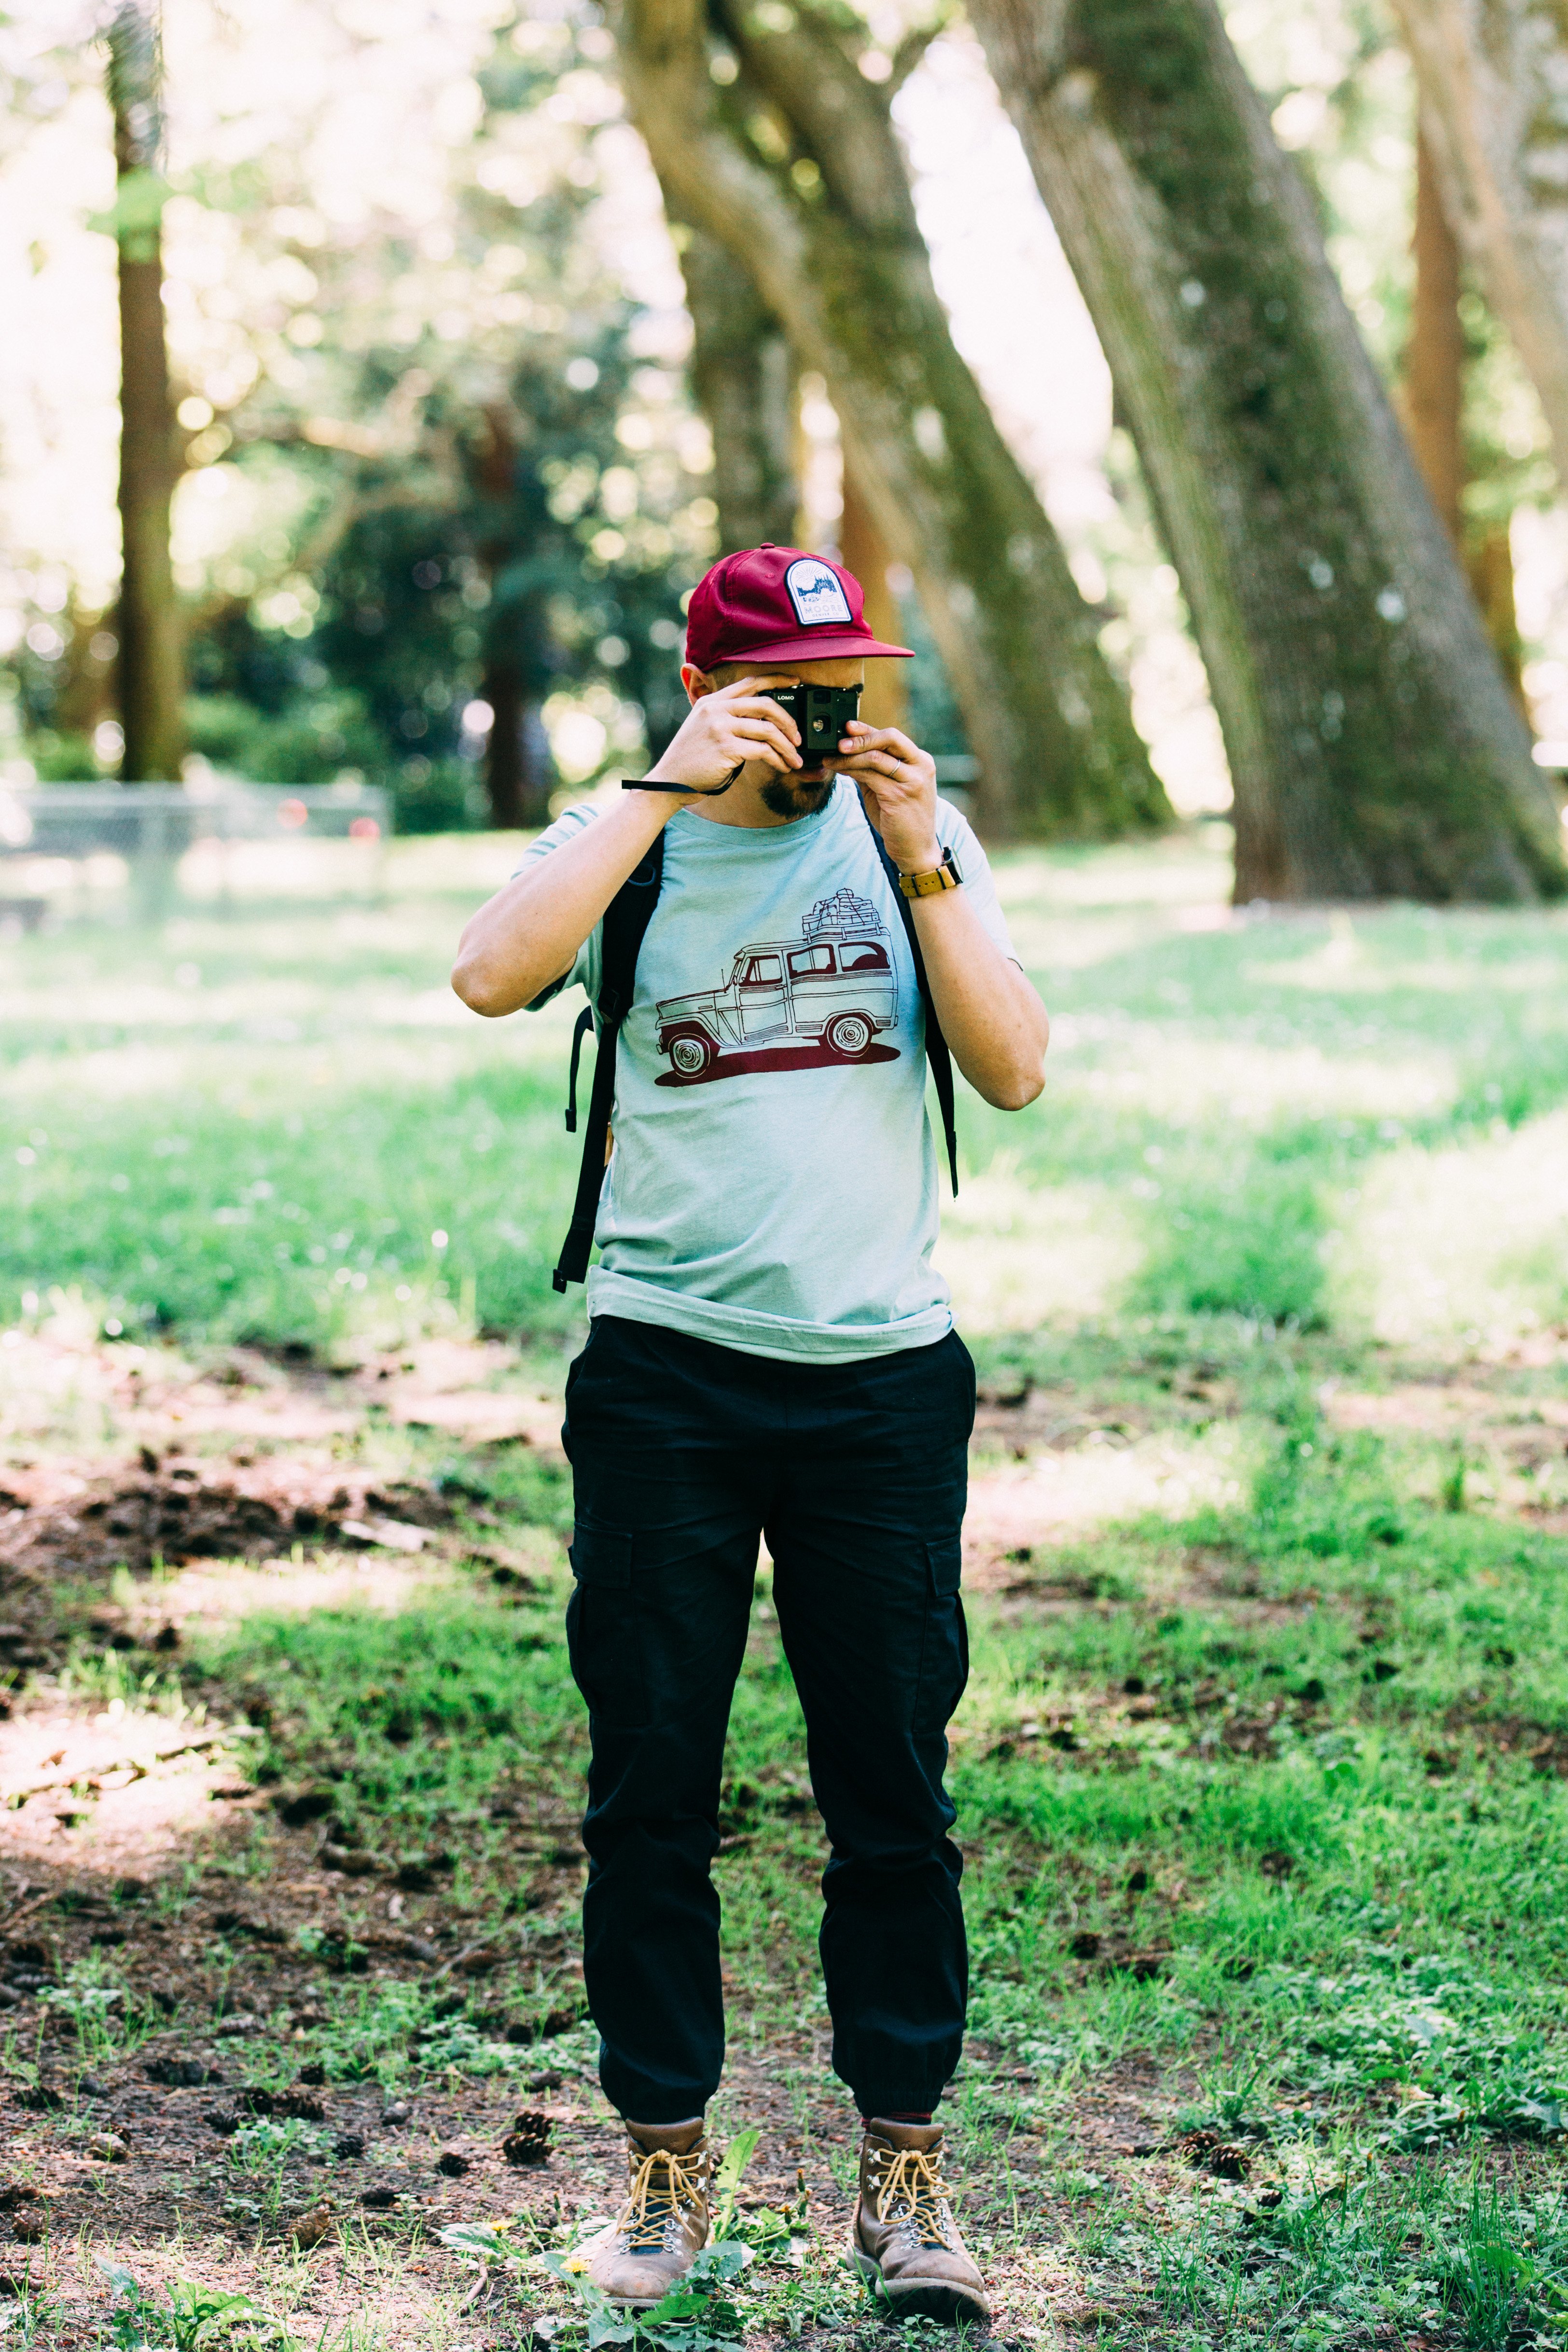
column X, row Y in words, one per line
column 683, row 1454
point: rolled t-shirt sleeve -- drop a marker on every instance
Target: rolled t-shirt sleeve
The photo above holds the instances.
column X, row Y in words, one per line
column 584, row 971
column 955, row 832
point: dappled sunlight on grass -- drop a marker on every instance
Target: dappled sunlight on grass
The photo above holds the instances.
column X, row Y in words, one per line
column 1199, row 1083
column 1469, row 1238
column 208, row 1595
column 1017, row 1252
column 1099, row 1483
column 259, row 1125
column 119, row 1787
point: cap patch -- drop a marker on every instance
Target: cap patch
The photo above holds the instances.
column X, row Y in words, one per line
column 817, row 595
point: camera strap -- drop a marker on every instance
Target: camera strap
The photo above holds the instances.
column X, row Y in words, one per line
column 937, row 1054
column 626, row 918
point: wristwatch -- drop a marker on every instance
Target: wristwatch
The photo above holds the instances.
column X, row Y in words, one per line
column 925, row 885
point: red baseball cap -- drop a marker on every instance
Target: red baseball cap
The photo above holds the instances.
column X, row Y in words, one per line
column 778, row 604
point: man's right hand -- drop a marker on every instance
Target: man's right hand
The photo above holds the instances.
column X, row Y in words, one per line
column 721, row 732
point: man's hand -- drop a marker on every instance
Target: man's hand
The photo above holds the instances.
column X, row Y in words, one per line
column 898, row 781
column 721, row 731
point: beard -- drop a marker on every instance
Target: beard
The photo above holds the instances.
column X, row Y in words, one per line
column 796, row 796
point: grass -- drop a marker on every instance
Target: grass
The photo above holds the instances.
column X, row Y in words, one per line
column 1261, row 1765
column 259, row 1126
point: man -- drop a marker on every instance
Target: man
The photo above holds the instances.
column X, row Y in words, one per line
column 770, row 1353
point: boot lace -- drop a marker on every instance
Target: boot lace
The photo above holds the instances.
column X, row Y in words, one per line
column 911, row 2177
column 661, row 2184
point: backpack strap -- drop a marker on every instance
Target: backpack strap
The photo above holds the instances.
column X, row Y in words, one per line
column 584, row 1022
column 937, row 1052
column 626, row 919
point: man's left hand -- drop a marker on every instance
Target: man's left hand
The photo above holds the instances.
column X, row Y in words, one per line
column 898, row 781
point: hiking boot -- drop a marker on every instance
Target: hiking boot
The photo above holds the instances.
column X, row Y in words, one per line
column 663, row 2224
column 906, row 2241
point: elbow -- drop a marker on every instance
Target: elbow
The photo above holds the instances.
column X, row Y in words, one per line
column 1017, row 1092
column 480, row 994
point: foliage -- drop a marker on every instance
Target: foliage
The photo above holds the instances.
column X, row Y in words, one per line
column 470, row 453
column 695, row 2315
column 91, row 2000
column 194, row 2318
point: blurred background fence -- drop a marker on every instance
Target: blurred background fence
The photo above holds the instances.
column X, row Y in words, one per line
column 80, row 850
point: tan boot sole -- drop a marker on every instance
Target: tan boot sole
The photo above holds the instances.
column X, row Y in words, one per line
column 926, row 2298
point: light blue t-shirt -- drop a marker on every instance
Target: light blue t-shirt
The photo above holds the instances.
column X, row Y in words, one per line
column 772, row 1186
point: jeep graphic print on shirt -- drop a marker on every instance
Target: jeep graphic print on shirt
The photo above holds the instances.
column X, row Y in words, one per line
column 790, row 1005
column 773, row 1184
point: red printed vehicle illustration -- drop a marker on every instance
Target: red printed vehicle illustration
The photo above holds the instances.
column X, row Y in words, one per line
column 835, row 985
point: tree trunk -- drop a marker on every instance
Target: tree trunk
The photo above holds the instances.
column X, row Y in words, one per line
column 743, row 375
column 1492, row 74
column 885, row 702
column 151, row 667
column 797, row 169
column 1434, row 354
column 518, row 780
column 503, row 747
column 1489, row 561
column 1433, row 418
column 1373, row 746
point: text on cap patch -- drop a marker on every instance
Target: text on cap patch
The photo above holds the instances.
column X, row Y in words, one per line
column 818, row 595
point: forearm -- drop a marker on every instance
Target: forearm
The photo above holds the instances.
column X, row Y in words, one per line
column 995, row 1024
column 528, row 935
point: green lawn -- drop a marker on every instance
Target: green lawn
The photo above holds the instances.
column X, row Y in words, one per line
column 252, row 1128
column 1262, row 1767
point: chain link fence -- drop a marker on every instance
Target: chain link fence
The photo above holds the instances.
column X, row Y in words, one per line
column 72, row 850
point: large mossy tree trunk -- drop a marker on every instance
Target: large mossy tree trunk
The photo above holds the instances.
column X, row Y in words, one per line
column 1374, row 749
column 743, row 375
column 795, row 167
column 1492, row 76
column 151, row 667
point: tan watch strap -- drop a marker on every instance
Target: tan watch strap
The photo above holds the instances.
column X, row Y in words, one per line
column 945, row 876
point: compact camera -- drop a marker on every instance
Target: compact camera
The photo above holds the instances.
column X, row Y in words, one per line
column 821, row 712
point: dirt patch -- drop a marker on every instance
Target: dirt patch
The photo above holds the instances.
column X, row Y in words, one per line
column 68, row 1521
column 145, row 2154
column 68, row 1529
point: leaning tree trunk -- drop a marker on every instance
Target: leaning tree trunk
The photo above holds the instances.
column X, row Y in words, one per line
column 151, row 669
column 1434, row 407
column 743, row 375
column 1373, row 746
column 1492, row 75
column 797, row 169
column 1434, row 354
column 885, row 702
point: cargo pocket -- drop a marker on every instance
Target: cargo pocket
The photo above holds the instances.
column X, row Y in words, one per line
column 945, row 1653
column 601, row 1638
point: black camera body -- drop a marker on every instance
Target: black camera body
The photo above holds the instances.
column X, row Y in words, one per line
column 821, row 712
